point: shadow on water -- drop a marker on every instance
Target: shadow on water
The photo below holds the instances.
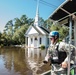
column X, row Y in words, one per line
column 15, row 61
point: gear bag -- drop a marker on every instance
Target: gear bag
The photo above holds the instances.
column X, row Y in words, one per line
column 61, row 55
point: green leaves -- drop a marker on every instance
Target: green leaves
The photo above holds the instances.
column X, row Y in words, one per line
column 63, row 30
column 16, row 28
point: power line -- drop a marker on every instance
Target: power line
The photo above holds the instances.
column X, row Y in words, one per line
column 59, row 0
column 47, row 4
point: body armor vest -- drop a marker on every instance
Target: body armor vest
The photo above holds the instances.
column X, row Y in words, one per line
column 58, row 56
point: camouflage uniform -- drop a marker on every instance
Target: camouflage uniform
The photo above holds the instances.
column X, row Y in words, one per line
column 53, row 54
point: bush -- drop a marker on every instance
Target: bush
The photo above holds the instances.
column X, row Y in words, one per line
column 1, row 45
column 42, row 47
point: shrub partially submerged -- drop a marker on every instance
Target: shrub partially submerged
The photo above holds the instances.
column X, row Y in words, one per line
column 42, row 47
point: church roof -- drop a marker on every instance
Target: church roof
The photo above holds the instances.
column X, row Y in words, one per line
column 40, row 30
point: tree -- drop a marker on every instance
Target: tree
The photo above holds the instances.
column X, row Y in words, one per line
column 19, row 35
column 48, row 23
column 9, row 27
column 9, row 31
column 24, row 19
column 17, row 24
column 30, row 21
column 63, row 30
column 41, row 21
column 0, row 38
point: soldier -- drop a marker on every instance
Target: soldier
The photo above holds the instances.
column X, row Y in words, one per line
column 57, row 54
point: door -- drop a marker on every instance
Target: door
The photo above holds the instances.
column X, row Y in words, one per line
column 35, row 42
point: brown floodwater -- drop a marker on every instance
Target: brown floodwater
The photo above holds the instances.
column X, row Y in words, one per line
column 15, row 61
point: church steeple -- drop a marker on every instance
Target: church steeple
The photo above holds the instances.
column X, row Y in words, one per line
column 36, row 22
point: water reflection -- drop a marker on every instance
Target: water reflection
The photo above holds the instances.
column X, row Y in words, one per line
column 15, row 61
column 35, row 61
column 12, row 62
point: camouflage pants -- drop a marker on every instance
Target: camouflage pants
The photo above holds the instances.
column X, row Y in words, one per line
column 57, row 70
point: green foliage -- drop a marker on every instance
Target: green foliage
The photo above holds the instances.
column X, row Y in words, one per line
column 42, row 47
column 19, row 34
column 63, row 30
column 24, row 19
column 14, row 32
column 1, row 45
column 48, row 23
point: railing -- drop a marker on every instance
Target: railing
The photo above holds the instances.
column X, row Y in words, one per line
column 46, row 73
column 49, row 72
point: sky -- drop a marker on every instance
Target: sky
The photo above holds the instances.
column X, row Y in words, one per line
column 10, row 9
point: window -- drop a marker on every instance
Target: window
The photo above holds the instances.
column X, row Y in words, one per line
column 35, row 38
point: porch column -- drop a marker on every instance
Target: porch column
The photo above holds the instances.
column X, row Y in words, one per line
column 37, row 42
column 33, row 51
column 75, row 37
column 37, row 47
column 29, row 41
column 29, row 53
column 26, row 41
column 33, row 41
column 75, row 33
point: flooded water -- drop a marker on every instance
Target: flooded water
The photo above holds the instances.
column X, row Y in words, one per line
column 15, row 61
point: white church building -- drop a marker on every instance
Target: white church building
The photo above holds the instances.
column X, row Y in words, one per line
column 37, row 35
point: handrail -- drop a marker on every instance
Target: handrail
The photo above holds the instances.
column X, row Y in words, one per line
column 45, row 72
column 74, row 66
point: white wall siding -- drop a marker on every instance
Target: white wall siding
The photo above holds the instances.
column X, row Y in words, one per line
column 44, row 40
column 47, row 41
